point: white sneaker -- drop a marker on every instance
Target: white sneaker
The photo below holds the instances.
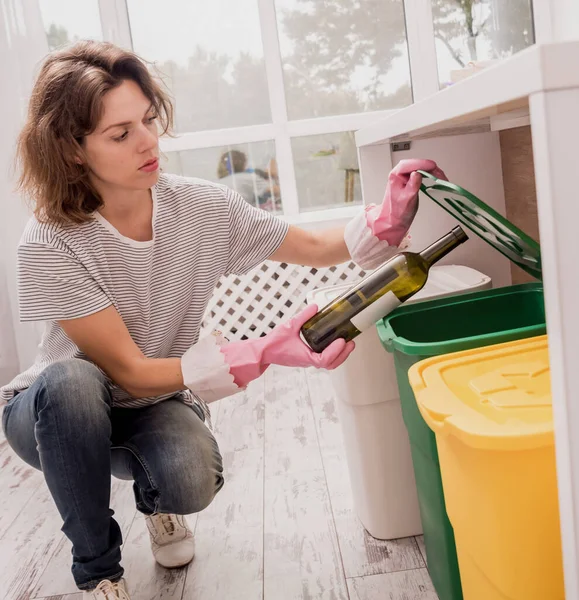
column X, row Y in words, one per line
column 107, row 590
column 172, row 541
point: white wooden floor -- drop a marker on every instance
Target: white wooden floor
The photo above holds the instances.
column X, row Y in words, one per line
column 282, row 528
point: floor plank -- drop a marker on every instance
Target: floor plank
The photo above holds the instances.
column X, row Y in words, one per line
column 326, row 418
column 28, row 546
column 239, row 424
column 301, row 553
column 57, row 578
column 291, row 441
column 229, row 535
column 18, row 482
column 361, row 553
column 422, row 547
column 146, row 580
column 77, row 596
column 406, row 585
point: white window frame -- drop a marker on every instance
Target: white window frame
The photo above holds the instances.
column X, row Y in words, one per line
column 116, row 29
column 424, row 81
column 556, row 20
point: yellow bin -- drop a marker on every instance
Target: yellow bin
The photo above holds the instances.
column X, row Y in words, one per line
column 491, row 411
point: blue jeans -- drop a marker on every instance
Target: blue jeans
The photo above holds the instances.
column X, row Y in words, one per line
column 64, row 425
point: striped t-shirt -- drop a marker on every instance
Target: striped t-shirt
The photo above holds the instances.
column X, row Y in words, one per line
column 161, row 287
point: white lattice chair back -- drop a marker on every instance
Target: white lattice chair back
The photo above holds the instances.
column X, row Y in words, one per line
column 250, row 305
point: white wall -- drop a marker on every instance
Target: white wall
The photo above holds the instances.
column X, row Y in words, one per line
column 9, row 362
column 22, row 46
column 456, row 155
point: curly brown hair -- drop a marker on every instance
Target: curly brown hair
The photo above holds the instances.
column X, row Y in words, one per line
column 65, row 106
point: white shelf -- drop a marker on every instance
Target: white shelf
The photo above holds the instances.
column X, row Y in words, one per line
column 538, row 87
column 471, row 104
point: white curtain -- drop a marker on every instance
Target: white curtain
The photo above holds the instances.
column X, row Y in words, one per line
column 22, row 47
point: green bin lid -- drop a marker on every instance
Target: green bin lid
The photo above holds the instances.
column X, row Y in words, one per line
column 485, row 222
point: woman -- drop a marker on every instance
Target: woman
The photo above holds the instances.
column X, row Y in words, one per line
column 120, row 261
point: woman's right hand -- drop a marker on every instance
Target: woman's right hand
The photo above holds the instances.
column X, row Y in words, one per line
column 392, row 219
column 376, row 234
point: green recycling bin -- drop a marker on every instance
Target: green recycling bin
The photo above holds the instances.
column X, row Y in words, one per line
column 415, row 332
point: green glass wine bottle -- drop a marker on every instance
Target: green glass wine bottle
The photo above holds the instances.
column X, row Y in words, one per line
column 377, row 294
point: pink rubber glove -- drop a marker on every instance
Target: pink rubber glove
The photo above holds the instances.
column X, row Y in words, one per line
column 374, row 236
column 392, row 219
column 248, row 359
column 214, row 368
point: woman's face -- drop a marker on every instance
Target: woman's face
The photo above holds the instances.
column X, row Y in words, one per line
column 123, row 151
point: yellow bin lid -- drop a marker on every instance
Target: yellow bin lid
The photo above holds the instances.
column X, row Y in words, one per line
column 495, row 398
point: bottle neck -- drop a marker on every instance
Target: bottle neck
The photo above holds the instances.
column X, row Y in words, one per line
column 443, row 246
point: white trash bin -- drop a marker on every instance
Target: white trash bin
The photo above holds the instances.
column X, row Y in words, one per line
column 368, row 404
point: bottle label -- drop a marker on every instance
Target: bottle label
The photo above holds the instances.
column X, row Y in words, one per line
column 368, row 317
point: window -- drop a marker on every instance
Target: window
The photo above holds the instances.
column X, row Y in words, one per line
column 249, row 169
column 338, row 60
column 279, row 86
column 327, row 172
column 211, row 55
column 69, row 20
column 479, row 31
column 343, row 57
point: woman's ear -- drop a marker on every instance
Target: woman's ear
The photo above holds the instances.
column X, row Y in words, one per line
column 79, row 157
column 77, row 152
